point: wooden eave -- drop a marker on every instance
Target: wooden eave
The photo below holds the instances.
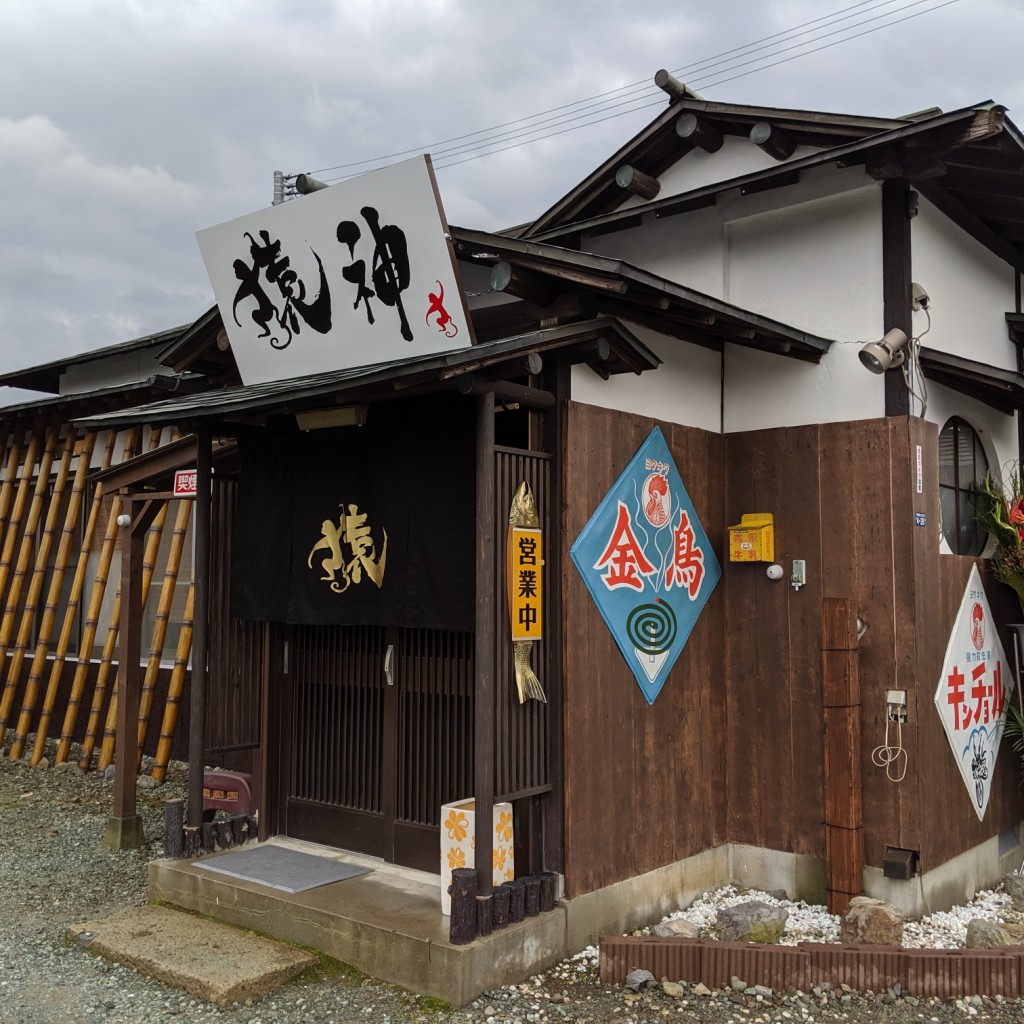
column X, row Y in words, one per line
column 657, row 147
column 46, row 376
column 153, row 471
column 1001, row 389
column 965, row 162
column 239, row 407
column 68, row 407
column 196, row 350
column 615, row 288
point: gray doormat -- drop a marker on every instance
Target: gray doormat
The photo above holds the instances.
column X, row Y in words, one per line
column 282, row 868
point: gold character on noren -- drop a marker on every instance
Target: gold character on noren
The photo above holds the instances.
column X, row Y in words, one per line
column 353, row 533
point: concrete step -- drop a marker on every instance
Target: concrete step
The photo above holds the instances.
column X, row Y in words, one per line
column 207, row 959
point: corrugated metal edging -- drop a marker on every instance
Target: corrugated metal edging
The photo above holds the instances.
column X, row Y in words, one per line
column 920, row 972
column 864, row 968
column 776, row 967
column 964, row 972
column 675, row 959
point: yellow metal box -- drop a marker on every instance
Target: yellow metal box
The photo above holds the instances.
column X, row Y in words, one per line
column 753, row 539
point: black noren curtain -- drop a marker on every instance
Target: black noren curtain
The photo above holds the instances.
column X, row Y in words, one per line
column 323, row 517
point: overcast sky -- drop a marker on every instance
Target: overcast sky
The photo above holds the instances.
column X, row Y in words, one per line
column 128, row 125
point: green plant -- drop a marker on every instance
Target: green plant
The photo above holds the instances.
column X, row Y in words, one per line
column 999, row 510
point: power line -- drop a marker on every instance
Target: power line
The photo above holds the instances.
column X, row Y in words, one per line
column 642, row 85
column 744, row 74
column 643, row 91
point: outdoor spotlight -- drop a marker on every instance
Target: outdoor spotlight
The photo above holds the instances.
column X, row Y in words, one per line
column 879, row 356
column 124, row 520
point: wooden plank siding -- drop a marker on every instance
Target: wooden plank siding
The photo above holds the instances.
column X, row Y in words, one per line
column 643, row 783
column 734, row 749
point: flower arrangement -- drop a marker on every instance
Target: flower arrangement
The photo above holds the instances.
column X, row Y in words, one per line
column 999, row 511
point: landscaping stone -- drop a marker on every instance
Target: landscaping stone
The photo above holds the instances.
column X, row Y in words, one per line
column 753, row 921
column 873, row 922
column 983, row 934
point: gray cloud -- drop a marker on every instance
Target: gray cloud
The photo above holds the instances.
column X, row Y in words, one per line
column 139, row 122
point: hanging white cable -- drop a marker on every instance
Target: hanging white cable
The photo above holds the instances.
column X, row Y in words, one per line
column 912, row 367
column 886, row 756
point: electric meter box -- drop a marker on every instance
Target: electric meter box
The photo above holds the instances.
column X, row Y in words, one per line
column 753, row 539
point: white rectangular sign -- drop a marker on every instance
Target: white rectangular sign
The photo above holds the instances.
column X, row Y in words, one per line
column 359, row 273
column 973, row 691
column 185, row 483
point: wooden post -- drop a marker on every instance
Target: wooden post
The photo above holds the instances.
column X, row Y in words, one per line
column 124, row 828
column 174, row 833
column 485, row 643
column 843, row 791
column 201, row 576
column 462, row 924
column 896, row 272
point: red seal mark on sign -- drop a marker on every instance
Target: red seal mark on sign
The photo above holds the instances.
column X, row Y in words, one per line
column 977, row 626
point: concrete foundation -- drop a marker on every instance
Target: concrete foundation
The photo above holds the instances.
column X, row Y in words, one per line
column 951, row 883
column 388, row 923
column 124, row 833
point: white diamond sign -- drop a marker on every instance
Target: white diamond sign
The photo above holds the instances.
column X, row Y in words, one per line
column 972, row 693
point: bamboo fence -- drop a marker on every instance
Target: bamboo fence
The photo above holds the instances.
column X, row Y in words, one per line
column 57, row 528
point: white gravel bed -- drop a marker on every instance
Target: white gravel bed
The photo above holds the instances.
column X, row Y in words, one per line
column 813, row 923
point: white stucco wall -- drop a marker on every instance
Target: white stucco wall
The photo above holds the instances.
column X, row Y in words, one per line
column 737, row 157
column 970, row 288
column 818, row 266
column 809, row 255
column 685, row 389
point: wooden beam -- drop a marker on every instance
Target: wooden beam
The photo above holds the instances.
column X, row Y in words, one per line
column 637, row 182
column 124, row 828
column 964, row 218
column 485, row 646
column 201, row 576
column 533, row 398
column 676, row 90
column 773, row 140
column 524, row 284
column 896, row 284
column 698, row 132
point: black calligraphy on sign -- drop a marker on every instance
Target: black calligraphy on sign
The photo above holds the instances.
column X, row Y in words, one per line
column 389, row 271
column 279, row 320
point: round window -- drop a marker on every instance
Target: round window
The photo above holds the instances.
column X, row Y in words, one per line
column 962, row 463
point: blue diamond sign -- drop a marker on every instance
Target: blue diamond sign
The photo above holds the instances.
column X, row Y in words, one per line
column 648, row 564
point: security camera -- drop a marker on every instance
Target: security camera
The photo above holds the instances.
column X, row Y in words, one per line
column 918, row 297
column 879, row 356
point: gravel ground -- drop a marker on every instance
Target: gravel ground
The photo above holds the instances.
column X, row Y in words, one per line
column 54, row 871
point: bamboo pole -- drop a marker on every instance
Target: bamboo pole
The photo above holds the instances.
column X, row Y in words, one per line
column 18, row 511
column 63, row 558
column 153, row 538
column 73, row 602
column 92, row 613
column 35, row 587
column 21, row 569
column 10, row 475
column 163, row 614
column 107, row 654
column 111, row 642
column 174, row 690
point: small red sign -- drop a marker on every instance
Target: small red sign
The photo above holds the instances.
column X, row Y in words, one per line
column 185, row 483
